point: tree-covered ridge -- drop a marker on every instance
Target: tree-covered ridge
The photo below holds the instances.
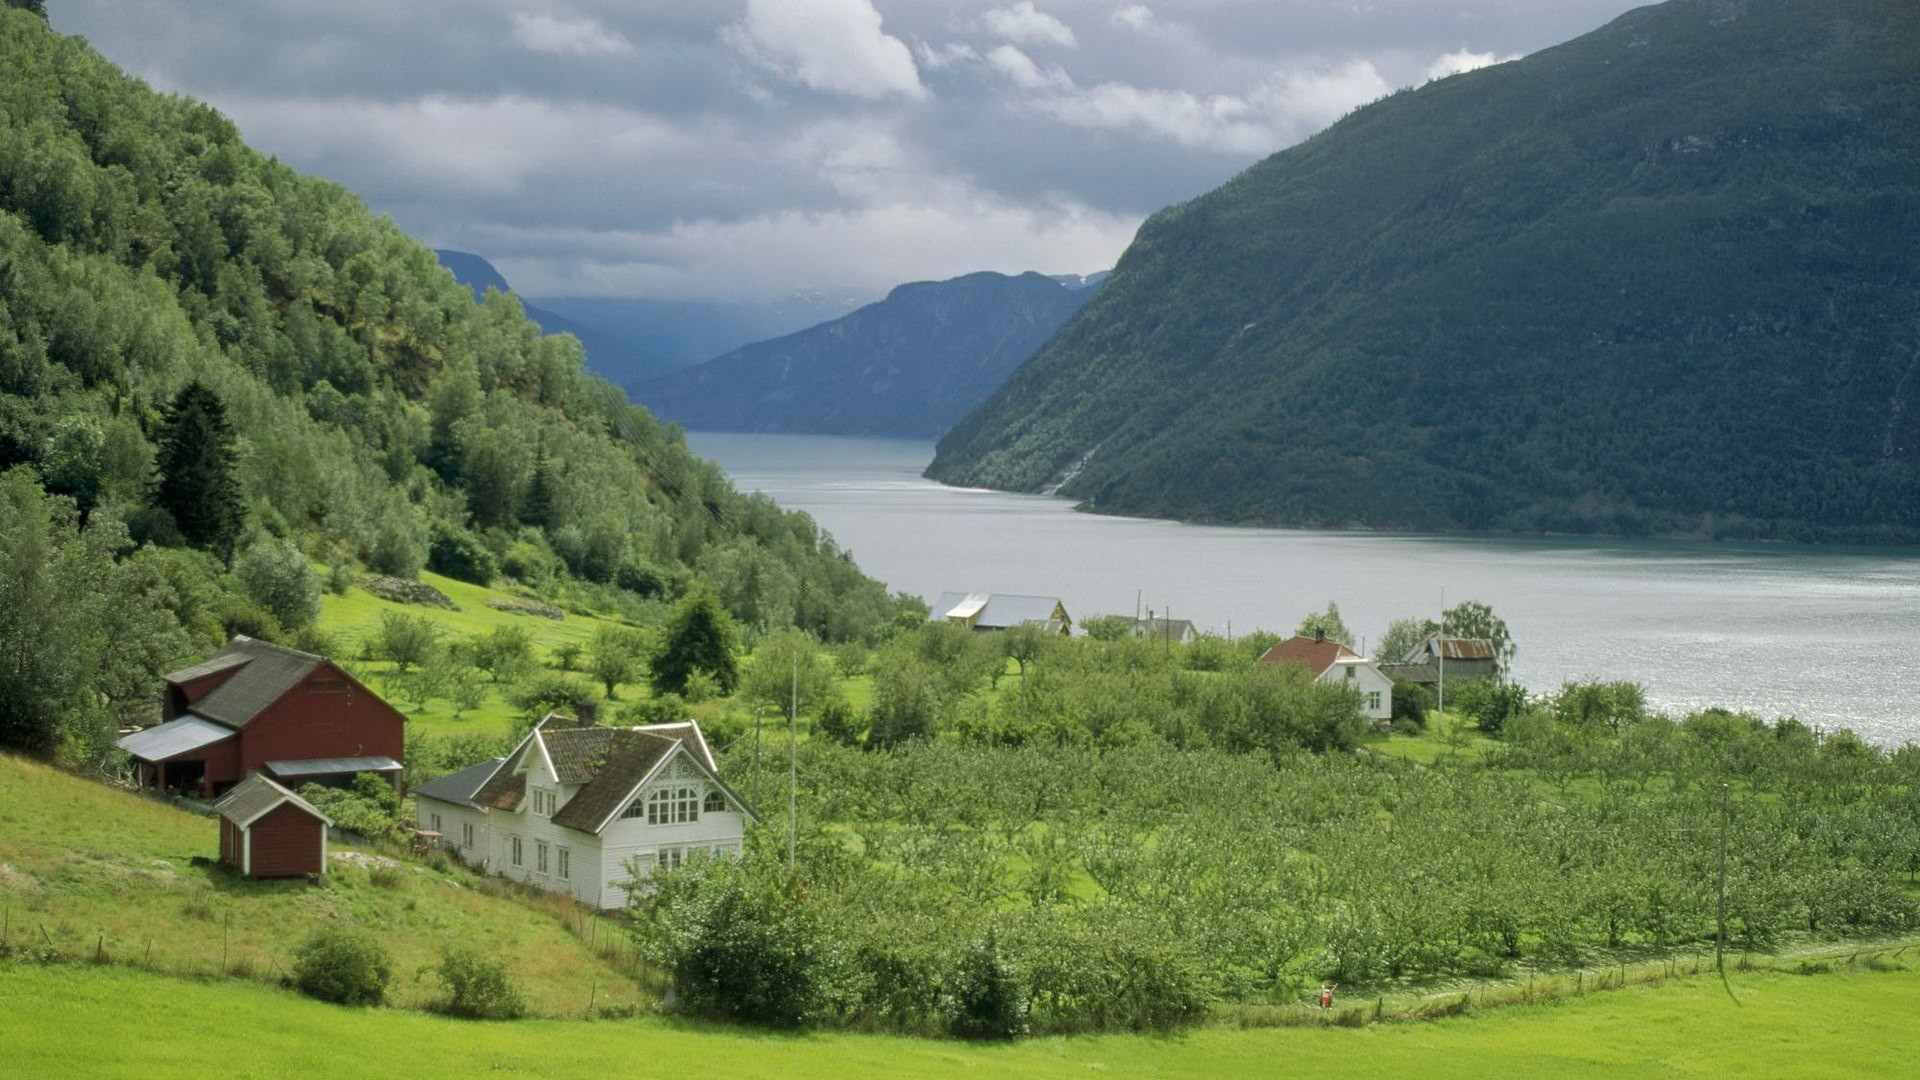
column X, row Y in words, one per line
column 380, row 414
column 905, row 367
column 1658, row 279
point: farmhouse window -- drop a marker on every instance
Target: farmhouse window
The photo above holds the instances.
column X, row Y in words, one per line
column 673, row 806
column 518, row 857
column 566, row 864
column 436, row 823
column 716, row 803
column 669, row 857
column 1373, row 700
column 466, row 835
column 540, row 856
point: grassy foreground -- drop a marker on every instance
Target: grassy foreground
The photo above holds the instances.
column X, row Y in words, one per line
column 85, row 867
column 109, row 1022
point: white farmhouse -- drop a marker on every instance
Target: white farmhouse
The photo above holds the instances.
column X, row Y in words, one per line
column 1331, row 661
column 572, row 808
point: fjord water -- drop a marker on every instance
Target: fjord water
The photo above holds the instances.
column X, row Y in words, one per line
column 1829, row 636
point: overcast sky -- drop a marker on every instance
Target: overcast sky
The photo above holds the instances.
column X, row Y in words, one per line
column 747, row 148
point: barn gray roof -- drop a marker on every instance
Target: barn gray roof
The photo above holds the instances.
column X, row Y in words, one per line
column 265, row 672
column 173, row 738
column 1002, row 610
column 460, row 787
column 255, row 796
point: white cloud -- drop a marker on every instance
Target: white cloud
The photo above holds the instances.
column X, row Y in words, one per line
column 939, row 232
column 941, row 56
column 1028, row 25
column 1276, row 113
column 1026, row 74
column 1463, row 61
column 832, row 45
column 564, row 36
column 1135, row 16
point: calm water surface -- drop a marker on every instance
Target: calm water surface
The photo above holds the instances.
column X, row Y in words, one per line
column 1832, row 637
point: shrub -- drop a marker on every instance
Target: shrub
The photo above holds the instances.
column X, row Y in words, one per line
column 665, row 709
column 240, row 615
column 460, row 555
column 642, row 578
column 406, row 640
column 701, row 688
column 343, row 966
column 547, row 692
column 989, row 1001
column 567, row 655
column 503, row 652
column 1107, row 627
column 396, row 549
column 739, row 943
column 275, row 575
column 478, row 987
column 839, row 723
column 1410, row 704
column 339, row 576
column 1488, row 704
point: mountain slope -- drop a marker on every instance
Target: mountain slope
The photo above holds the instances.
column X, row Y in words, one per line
column 614, row 357
column 381, row 416
column 907, row 367
column 1659, row 279
column 680, row 333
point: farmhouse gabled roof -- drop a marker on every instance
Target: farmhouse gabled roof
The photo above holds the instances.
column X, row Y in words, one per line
column 459, row 788
column 254, row 797
column 997, row 611
column 263, row 673
column 1454, row 649
column 1314, row 654
column 506, row 788
column 630, row 758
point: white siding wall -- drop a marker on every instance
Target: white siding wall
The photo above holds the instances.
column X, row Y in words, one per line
column 1368, row 680
column 629, row 838
column 452, row 818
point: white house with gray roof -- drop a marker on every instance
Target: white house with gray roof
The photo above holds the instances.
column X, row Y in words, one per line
column 575, row 809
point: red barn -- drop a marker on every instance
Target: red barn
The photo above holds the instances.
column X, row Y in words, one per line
column 268, row 831
column 258, row 707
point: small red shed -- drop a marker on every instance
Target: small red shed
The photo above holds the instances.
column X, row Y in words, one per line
column 268, row 831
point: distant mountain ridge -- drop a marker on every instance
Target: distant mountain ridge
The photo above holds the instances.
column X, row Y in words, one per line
column 908, row 366
column 1660, row 279
column 612, row 356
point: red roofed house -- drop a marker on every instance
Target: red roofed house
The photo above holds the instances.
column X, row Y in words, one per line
column 257, row 707
column 1331, row 661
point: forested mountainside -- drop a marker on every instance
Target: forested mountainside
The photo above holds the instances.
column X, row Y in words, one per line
column 1662, row 279
column 906, row 367
column 614, row 357
column 379, row 417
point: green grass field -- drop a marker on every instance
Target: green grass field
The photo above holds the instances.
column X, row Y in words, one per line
column 85, row 866
column 112, row 1022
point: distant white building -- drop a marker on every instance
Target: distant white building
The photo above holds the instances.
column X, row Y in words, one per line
column 1177, row 631
column 1002, row 611
column 572, row 809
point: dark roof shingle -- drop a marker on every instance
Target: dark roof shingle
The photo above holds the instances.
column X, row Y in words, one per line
column 505, row 789
column 459, row 788
column 264, row 676
column 630, row 756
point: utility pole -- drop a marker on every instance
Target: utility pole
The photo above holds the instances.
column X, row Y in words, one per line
column 1440, row 646
column 1720, row 939
column 759, row 722
column 793, row 763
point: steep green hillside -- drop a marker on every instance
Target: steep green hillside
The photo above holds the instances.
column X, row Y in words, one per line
column 908, row 366
column 1661, row 278
column 381, row 421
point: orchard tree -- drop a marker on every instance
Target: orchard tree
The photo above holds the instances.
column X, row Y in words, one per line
column 699, row 638
column 1403, row 636
column 614, row 657
column 196, row 482
column 275, row 575
column 1327, row 624
column 789, row 666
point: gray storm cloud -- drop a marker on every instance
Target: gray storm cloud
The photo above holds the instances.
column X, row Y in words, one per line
column 751, row 147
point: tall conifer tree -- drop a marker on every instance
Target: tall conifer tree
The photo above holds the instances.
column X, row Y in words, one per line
column 195, row 467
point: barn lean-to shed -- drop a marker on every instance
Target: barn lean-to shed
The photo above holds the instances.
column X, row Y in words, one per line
column 267, row 831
